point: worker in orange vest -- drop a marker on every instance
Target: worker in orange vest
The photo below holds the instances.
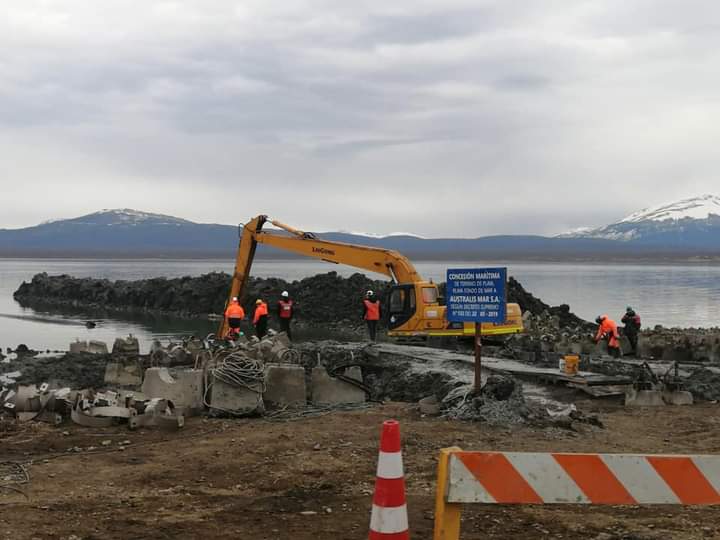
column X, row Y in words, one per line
column 285, row 312
column 608, row 330
column 234, row 314
column 371, row 313
column 260, row 318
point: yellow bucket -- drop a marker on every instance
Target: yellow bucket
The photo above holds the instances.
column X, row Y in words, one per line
column 572, row 363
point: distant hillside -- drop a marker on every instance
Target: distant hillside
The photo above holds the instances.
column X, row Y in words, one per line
column 130, row 233
column 120, row 233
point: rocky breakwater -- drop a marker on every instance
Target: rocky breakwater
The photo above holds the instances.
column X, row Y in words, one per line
column 324, row 301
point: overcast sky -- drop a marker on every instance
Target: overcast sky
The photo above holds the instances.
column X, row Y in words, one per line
column 443, row 118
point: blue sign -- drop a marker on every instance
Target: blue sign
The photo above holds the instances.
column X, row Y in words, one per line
column 476, row 295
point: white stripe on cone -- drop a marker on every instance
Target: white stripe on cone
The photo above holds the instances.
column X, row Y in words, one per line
column 390, row 465
column 389, row 520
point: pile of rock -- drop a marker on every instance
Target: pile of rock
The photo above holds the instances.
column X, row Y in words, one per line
column 326, row 299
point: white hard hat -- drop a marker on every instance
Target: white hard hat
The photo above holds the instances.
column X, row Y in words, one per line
column 234, row 299
column 285, row 294
column 369, row 293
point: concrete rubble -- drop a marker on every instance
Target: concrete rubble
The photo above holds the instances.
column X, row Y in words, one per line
column 245, row 378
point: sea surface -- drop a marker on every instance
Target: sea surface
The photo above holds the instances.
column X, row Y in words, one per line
column 671, row 295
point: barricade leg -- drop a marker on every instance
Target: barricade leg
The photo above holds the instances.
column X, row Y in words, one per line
column 447, row 515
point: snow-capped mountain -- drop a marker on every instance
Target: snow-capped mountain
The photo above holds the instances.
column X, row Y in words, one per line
column 688, row 223
column 119, row 233
column 377, row 235
column 125, row 216
column 687, row 228
column 694, row 208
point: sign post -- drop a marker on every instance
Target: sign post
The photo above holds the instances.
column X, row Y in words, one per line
column 477, row 295
column 478, row 355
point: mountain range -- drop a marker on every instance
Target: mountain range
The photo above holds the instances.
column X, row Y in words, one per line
column 683, row 229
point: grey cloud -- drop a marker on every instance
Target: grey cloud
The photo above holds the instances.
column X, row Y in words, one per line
column 569, row 114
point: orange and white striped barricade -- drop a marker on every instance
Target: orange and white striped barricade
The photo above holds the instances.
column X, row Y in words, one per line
column 556, row 478
column 389, row 520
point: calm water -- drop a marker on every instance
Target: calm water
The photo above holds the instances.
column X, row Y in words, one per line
column 672, row 295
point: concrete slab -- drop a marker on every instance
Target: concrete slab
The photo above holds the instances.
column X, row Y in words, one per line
column 679, row 397
column 285, row 385
column 78, row 347
column 234, row 400
column 328, row 390
column 97, row 347
column 644, row 398
column 123, row 374
column 277, row 352
column 126, row 346
column 429, row 405
column 184, row 387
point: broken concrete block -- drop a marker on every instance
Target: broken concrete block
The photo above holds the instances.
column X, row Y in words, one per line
column 677, row 397
column 126, row 346
column 328, row 390
column 123, row 373
column 27, row 399
column 285, row 385
column 643, row 398
column 97, row 347
column 429, row 405
column 277, row 353
column 235, row 400
column 184, row 389
column 78, row 347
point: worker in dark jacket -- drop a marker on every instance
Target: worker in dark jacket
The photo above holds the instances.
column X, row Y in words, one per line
column 371, row 313
column 260, row 318
column 632, row 323
column 285, row 310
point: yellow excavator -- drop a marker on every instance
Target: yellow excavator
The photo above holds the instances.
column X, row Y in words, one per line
column 413, row 308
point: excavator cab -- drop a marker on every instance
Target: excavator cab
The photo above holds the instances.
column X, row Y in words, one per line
column 413, row 309
column 401, row 305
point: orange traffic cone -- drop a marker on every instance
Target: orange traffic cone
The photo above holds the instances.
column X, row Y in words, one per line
column 388, row 520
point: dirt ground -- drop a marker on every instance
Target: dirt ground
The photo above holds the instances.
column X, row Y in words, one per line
column 252, row 478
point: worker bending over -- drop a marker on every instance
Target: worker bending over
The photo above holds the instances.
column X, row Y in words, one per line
column 371, row 313
column 234, row 314
column 260, row 318
column 608, row 330
column 632, row 323
column 285, row 312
